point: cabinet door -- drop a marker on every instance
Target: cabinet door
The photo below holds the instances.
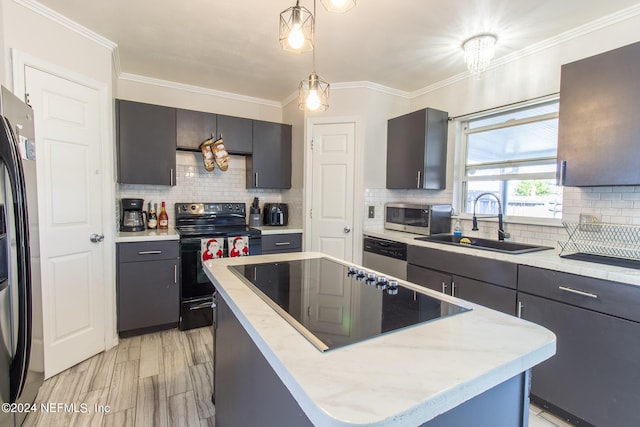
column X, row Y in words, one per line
column 146, row 139
column 429, row 278
column 486, row 294
column 597, row 134
column 237, row 134
column 417, row 150
column 269, row 166
column 594, row 374
column 148, row 294
column 193, row 128
column 405, row 150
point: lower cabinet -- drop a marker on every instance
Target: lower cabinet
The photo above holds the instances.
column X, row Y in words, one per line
column 490, row 283
column 281, row 243
column 594, row 375
column 148, row 291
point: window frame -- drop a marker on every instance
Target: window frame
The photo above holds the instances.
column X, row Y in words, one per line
column 462, row 178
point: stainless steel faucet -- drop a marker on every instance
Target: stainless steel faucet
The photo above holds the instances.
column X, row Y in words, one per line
column 501, row 233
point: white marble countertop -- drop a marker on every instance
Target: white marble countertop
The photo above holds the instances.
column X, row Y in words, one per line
column 544, row 259
column 403, row 378
column 277, row 229
column 147, row 236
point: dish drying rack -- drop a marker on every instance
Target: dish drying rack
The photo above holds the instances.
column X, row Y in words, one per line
column 603, row 240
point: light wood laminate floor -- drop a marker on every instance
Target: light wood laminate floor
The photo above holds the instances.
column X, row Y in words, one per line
column 160, row 379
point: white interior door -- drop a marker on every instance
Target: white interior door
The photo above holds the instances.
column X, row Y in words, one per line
column 68, row 143
column 333, row 183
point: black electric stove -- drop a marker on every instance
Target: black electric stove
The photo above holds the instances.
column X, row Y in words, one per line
column 334, row 304
column 195, row 223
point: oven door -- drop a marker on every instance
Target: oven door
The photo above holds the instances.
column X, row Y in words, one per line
column 196, row 290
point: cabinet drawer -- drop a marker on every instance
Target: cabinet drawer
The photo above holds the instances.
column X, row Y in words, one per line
column 148, row 251
column 484, row 269
column 282, row 243
column 617, row 299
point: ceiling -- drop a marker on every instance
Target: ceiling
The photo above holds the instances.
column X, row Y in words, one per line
column 232, row 46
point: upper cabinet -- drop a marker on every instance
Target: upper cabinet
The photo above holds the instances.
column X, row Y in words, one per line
column 146, row 141
column 195, row 127
column 270, row 164
column 417, row 150
column 237, row 134
column 598, row 126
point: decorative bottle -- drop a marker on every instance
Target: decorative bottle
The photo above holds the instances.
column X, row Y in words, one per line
column 163, row 218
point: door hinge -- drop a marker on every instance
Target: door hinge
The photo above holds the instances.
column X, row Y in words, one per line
column 311, row 213
column 312, row 144
column 26, row 98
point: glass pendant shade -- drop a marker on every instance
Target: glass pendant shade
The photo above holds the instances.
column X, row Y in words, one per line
column 313, row 94
column 296, row 29
column 478, row 52
column 338, row 6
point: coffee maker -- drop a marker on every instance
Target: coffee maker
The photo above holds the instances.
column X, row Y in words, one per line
column 132, row 217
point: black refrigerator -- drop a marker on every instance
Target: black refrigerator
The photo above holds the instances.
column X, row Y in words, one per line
column 21, row 343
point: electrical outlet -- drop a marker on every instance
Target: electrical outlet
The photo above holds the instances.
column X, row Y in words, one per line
column 588, row 220
column 372, row 212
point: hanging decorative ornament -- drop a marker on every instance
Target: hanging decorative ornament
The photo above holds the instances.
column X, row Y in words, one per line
column 221, row 155
column 207, row 155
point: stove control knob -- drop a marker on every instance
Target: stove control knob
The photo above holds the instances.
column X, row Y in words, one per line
column 371, row 276
column 392, row 291
column 194, row 207
column 362, row 273
column 382, row 283
column 393, row 284
column 353, row 269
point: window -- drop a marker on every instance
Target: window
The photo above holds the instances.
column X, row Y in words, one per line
column 512, row 154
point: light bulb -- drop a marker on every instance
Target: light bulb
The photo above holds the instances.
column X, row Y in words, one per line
column 296, row 38
column 313, row 100
column 338, row 3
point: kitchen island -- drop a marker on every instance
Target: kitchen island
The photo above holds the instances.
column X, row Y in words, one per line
column 470, row 368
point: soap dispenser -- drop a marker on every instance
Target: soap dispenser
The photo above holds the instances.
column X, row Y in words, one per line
column 457, row 229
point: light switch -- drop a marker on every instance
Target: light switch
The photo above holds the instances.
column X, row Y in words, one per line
column 372, row 211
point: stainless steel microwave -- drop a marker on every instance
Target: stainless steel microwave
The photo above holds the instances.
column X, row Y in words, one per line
column 419, row 219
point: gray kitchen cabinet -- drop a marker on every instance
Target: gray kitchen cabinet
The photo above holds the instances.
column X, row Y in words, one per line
column 148, row 291
column 594, row 374
column 491, row 283
column 146, row 141
column 237, row 134
column 417, row 150
column 193, row 128
column 281, row 243
column 269, row 166
column 597, row 128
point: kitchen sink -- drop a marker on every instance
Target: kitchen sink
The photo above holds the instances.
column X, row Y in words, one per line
column 485, row 244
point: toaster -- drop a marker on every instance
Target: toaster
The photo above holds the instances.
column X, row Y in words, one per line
column 275, row 214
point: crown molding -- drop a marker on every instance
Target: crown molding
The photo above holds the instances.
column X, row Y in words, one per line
column 67, row 23
column 197, row 89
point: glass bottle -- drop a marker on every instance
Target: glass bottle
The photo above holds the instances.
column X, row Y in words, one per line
column 163, row 218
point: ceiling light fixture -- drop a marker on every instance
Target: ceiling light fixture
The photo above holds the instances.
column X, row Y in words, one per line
column 297, row 29
column 338, row 6
column 313, row 92
column 478, row 51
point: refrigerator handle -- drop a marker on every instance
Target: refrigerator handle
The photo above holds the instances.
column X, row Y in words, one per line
column 10, row 155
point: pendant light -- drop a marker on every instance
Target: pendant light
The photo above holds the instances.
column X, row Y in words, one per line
column 297, row 29
column 313, row 92
column 338, row 6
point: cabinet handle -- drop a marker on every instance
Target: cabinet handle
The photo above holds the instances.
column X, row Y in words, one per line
column 201, row 305
column 175, row 274
column 578, row 292
column 561, row 172
column 418, row 180
column 444, row 287
column 519, row 311
column 282, row 243
column 149, row 252
column 256, row 176
column 453, row 289
column 171, row 177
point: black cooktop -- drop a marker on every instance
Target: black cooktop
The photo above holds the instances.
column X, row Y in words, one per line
column 333, row 304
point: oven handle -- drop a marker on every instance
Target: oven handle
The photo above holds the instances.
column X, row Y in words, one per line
column 201, row 305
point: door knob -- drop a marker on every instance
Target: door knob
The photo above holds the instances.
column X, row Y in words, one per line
column 347, row 229
column 96, row 238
